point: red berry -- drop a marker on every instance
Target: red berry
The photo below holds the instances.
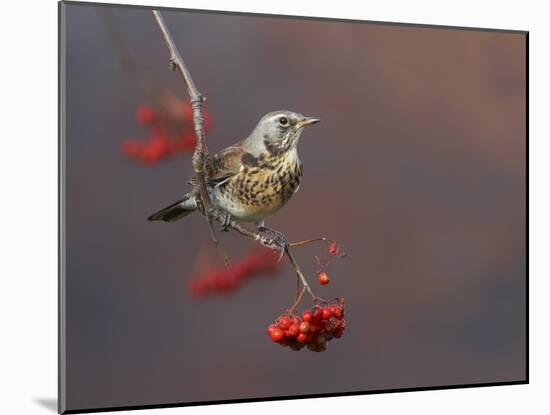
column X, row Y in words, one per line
column 307, row 315
column 284, row 323
column 326, row 313
column 313, row 328
column 296, row 346
column 293, row 330
column 277, row 335
column 332, row 324
column 321, row 339
column 317, row 313
column 338, row 332
column 145, row 115
column 323, row 278
column 333, row 248
column 302, row 338
column 317, row 347
column 336, row 311
column 304, row 327
column 270, row 328
column 285, row 342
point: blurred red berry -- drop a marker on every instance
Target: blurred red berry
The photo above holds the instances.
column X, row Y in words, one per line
column 333, row 248
column 188, row 141
column 150, row 155
column 160, row 144
column 323, row 278
column 188, row 112
column 131, row 148
column 225, row 280
column 145, row 115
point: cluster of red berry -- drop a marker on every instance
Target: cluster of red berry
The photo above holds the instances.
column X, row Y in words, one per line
column 316, row 327
column 227, row 279
column 161, row 144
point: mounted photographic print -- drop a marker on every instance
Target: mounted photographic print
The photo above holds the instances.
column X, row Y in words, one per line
column 260, row 207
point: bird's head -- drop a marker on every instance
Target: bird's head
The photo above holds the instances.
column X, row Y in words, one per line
column 279, row 131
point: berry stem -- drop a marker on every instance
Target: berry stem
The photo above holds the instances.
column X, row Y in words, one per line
column 298, row 299
column 306, row 241
column 298, row 271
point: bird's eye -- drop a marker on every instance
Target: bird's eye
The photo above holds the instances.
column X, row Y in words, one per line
column 283, row 121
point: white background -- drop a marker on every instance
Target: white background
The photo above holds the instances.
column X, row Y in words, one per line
column 28, row 204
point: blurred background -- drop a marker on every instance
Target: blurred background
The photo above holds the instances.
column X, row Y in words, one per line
column 418, row 168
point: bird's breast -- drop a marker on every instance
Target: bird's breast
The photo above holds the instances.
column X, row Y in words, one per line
column 260, row 190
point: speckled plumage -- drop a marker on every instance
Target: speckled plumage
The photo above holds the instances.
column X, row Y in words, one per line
column 262, row 187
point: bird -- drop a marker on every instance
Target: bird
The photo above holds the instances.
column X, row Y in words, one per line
column 254, row 178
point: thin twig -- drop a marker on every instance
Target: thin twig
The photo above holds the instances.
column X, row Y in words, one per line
column 175, row 57
column 307, row 241
column 297, row 287
column 197, row 100
column 299, row 272
column 298, row 298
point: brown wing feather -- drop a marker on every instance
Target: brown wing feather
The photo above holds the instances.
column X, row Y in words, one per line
column 223, row 164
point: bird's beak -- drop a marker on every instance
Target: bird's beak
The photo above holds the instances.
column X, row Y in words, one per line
column 308, row 121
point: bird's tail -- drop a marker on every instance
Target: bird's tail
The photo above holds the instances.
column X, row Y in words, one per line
column 177, row 210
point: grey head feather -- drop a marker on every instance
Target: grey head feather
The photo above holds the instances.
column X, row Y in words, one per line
column 277, row 130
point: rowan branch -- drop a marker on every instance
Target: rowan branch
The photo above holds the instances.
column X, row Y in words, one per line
column 200, row 155
column 197, row 100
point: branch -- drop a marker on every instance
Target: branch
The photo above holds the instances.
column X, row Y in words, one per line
column 307, row 241
column 201, row 153
column 176, row 60
column 197, row 101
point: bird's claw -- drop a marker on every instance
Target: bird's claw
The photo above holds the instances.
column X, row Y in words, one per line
column 276, row 241
column 226, row 221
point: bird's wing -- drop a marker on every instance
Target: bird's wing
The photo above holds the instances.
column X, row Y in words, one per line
column 223, row 165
